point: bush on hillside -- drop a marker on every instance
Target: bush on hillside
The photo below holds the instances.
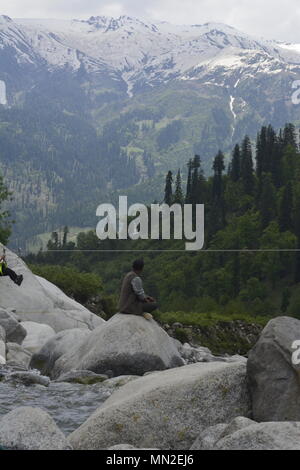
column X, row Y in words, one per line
column 73, row 283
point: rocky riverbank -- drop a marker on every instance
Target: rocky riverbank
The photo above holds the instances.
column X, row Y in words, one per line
column 69, row 380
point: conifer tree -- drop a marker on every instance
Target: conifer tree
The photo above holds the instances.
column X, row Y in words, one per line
column 296, row 227
column 218, row 167
column 168, row 199
column 195, row 186
column 261, row 151
column 285, row 209
column 289, row 136
column 189, row 183
column 178, row 195
column 268, row 200
column 235, row 167
column 247, row 173
column 65, row 237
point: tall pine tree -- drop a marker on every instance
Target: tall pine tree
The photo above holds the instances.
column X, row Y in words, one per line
column 268, row 200
column 168, row 199
column 235, row 167
column 247, row 172
column 188, row 197
column 285, row 209
column 178, row 195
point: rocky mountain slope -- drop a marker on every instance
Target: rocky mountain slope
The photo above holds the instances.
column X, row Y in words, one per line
column 79, row 98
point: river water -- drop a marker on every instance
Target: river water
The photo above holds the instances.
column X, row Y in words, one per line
column 68, row 404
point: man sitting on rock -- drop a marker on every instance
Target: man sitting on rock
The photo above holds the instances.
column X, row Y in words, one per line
column 6, row 271
column 133, row 299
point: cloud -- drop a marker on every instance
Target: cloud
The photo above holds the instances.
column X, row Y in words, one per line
column 270, row 18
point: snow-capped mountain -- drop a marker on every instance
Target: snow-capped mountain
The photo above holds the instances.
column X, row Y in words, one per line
column 144, row 53
column 90, row 107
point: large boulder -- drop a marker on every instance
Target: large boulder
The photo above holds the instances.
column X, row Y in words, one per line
column 2, row 353
column 167, row 410
column 17, row 356
column 27, row 428
column 40, row 301
column 64, row 341
column 2, row 346
column 209, row 437
column 2, row 334
column 15, row 332
column 28, row 378
column 273, row 378
column 125, row 345
column 37, row 335
column 263, row 436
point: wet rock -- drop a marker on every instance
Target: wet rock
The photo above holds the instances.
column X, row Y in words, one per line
column 14, row 331
column 85, row 377
column 28, row 378
column 17, row 355
column 37, row 335
column 27, row 428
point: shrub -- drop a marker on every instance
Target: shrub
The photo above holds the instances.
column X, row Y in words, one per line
column 73, row 283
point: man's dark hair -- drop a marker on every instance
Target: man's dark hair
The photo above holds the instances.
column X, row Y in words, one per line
column 138, row 265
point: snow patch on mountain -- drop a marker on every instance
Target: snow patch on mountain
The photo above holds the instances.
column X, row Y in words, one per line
column 231, row 107
column 231, row 104
column 3, row 96
column 291, row 47
column 140, row 52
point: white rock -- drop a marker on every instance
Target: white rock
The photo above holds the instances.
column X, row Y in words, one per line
column 263, row 436
column 27, row 428
column 168, row 409
column 39, row 301
column 14, row 331
column 63, row 342
column 37, row 335
column 2, row 346
column 17, row 355
column 125, row 345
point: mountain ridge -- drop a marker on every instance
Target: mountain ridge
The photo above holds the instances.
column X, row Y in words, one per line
column 139, row 52
column 92, row 107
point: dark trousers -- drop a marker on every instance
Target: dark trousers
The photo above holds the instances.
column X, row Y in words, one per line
column 149, row 307
column 9, row 272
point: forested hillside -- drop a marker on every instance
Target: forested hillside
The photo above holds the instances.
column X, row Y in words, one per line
column 250, row 265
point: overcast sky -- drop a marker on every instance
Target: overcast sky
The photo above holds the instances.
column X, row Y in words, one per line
column 275, row 19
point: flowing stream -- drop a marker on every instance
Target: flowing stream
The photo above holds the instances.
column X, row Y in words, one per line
column 68, row 404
